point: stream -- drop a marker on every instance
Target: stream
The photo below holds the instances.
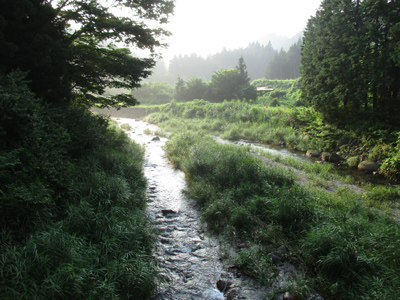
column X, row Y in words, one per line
column 187, row 256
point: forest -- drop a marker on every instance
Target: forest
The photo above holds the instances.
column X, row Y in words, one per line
column 72, row 188
column 261, row 61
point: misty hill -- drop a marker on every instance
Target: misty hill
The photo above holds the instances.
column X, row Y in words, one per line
column 280, row 42
column 260, row 59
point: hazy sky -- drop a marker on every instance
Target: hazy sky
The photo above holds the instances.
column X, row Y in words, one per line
column 206, row 26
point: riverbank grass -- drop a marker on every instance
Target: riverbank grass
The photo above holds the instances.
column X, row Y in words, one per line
column 349, row 250
column 87, row 235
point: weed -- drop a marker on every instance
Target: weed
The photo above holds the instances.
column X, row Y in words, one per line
column 126, row 126
column 147, row 131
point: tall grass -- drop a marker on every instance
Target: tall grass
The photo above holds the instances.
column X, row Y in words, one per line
column 350, row 251
column 79, row 229
column 239, row 120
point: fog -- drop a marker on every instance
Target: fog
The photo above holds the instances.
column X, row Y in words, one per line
column 207, row 26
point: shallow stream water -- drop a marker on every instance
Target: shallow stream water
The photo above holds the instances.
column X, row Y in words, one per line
column 187, row 257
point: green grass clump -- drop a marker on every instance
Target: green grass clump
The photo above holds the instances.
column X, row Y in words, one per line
column 350, row 250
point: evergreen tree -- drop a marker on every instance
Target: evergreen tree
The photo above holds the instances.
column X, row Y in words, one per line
column 347, row 61
column 285, row 65
column 180, row 90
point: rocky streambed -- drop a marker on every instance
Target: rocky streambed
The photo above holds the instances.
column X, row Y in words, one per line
column 188, row 258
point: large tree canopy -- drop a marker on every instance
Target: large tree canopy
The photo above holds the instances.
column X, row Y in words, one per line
column 349, row 60
column 231, row 84
column 72, row 49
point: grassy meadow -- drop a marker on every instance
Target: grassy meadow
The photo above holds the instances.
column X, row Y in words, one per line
column 347, row 240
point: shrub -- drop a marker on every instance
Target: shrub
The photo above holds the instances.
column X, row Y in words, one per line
column 274, row 103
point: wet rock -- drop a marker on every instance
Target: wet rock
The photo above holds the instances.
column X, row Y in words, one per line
column 313, row 153
column 282, row 249
column 368, row 166
column 168, row 213
column 243, row 245
column 275, row 256
column 156, row 138
column 232, row 294
column 165, row 241
column 289, row 296
column 353, row 161
column 223, row 285
column 331, row 157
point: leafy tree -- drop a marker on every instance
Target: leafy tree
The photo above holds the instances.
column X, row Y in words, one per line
column 154, row 93
column 231, row 84
column 224, row 85
column 196, row 89
column 71, row 50
column 33, row 41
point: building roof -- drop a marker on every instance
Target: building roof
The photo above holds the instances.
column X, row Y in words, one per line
column 264, row 89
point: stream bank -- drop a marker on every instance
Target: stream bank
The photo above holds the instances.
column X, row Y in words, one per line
column 188, row 258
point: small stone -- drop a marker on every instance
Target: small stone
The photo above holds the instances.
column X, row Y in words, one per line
column 165, row 241
column 275, row 256
column 313, row 153
column 168, row 212
column 282, row 249
column 156, row 138
column 231, row 294
column 222, row 285
column 289, row 296
column 243, row 245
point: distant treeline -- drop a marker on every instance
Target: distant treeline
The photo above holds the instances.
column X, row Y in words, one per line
column 262, row 61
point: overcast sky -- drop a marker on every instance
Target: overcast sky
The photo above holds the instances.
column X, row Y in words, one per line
column 206, row 26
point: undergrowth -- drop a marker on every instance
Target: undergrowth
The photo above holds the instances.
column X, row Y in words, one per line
column 72, row 204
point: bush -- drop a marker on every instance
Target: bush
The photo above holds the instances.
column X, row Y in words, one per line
column 274, row 103
column 391, row 166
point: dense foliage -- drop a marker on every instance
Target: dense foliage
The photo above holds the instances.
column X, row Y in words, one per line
column 70, row 51
column 72, row 204
column 154, row 93
column 350, row 64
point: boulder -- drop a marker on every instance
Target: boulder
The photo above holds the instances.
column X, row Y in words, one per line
column 368, row 166
column 353, row 161
column 223, row 285
column 313, row 153
column 276, row 257
column 331, row 157
column 289, row 296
